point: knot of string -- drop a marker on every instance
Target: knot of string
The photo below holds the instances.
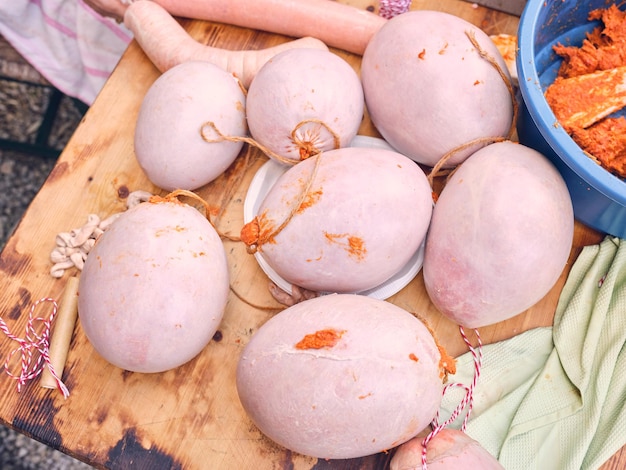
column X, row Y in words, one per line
column 304, row 139
column 34, row 348
column 257, row 239
column 306, row 143
column 466, row 402
column 212, row 135
column 390, row 8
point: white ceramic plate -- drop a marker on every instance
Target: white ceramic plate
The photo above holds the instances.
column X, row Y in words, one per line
column 265, row 178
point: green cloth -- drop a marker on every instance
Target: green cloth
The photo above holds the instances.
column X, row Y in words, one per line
column 555, row 397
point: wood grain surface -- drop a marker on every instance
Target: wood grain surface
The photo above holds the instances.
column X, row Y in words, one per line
column 189, row 417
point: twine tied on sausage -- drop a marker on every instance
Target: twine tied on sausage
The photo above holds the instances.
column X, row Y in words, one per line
column 306, row 146
column 437, row 168
column 254, row 235
column 34, row 348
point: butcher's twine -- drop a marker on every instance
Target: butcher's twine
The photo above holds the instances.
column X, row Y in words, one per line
column 390, row 8
column 34, row 348
column 468, row 398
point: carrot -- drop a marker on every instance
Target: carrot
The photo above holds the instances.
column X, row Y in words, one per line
column 167, row 44
column 337, row 24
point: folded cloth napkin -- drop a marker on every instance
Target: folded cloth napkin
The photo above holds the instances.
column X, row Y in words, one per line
column 71, row 45
column 555, row 397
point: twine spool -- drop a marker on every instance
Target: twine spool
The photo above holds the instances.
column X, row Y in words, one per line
column 34, row 348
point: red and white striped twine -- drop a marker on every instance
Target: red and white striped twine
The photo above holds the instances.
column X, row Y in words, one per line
column 466, row 402
column 390, row 8
column 33, row 348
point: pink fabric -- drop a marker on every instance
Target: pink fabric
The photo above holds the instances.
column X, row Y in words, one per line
column 72, row 46
column 76, row 49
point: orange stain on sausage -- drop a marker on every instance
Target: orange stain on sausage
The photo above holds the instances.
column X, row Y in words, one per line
column 310, row 199
column 321, row 339
column 258, row 231
column 355, row 246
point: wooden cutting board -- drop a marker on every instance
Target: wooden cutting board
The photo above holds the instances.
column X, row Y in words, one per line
column 189, row 417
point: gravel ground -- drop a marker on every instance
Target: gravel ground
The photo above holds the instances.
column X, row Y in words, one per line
column 18, row 452
column 21, row 176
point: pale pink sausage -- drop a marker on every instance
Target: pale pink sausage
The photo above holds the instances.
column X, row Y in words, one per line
column 166, row 43
column 336, row 24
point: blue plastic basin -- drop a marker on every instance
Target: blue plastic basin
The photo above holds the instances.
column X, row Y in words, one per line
column 599, row 197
